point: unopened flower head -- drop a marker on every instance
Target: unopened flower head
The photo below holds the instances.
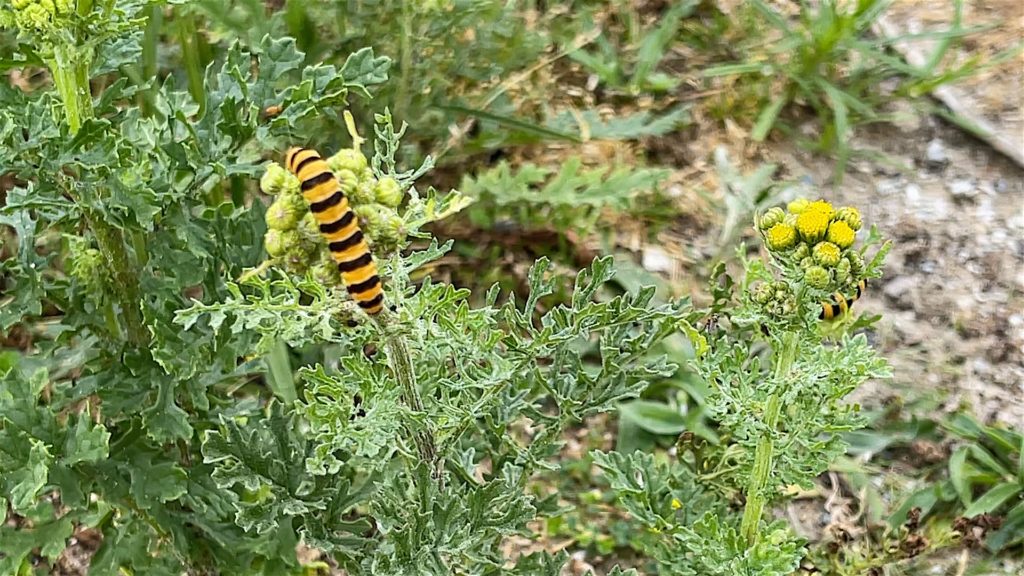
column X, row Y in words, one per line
column 849, row 215
column 347, row 181
column 388, row 192
column 856, row 263
column 780, row 237
column 797, row 206
column 826, row 254
column 772, row 217
column 817, row 277
column 841, row 234
column 348, row 159
column 286, row 212
column 277, row 180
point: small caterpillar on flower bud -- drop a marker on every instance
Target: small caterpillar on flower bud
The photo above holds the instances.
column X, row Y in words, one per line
column 339, row 227
column 841, row 304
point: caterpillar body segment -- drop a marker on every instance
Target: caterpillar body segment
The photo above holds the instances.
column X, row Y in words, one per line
column 339, row 227
column 840, row 304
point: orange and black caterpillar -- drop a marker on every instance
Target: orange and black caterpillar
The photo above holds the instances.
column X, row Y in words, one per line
column 339, row 227
column 841, row 304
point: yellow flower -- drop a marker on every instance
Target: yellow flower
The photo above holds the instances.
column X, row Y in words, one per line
column 676, row 504
column 849, row 215
column 822, row 207
column 826, row 254
column 841, row 234
column 812, row 224
column 780, row 237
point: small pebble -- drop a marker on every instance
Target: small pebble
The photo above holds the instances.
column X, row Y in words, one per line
column 935, row 155
column 656, row 260
column 962, row 188
column 899, row 290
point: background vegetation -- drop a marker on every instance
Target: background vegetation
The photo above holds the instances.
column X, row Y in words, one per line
column 164, row 408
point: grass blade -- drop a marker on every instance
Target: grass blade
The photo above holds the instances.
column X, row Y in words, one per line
column 767, row 118
column 511, row 122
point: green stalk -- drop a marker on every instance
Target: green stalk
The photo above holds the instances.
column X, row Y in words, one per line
column 70, row 70
column 126, row 282
column 401, row 365
column 764, row 454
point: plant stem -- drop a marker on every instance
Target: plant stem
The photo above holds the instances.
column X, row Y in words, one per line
column 401, row 365
column 764, row 454
column 126, row 282
column 70, row 70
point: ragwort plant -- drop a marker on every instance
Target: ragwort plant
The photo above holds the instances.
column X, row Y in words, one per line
column 121, row 421
column 778, row 375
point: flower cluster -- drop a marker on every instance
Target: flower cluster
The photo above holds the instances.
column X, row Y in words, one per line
column 819, row 238
column 293, row 236
column 775, row 298
column 35, row 14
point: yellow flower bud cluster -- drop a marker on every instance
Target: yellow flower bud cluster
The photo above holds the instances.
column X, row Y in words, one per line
column 36, row 14
column 818, row 238
column 293, row 235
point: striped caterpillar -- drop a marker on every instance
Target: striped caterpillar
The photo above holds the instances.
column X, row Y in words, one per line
column 841, row 304
column 339, row 227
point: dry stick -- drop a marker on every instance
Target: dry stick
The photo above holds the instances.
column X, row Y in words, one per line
column 954, row 99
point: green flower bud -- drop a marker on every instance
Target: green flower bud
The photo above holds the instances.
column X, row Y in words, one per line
column 842, row 271
column 807, row 263
column 802, row 251
column 797, row 206
column 348, row 159
column 827, row 254
column 309, row 229
column 326, row 273
column 388, row 192
column 372, row 217
column 849, row 215
column 297, row 260
column 277, row 242
column 364, row 193
column 817, row 277
column 65, row 6
column 367, row 175
column 856, row 263
column 277, row 180
column 348, row 181
column 772, row 217
column 762, row 293
column 286, row 212
column 393, row 231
